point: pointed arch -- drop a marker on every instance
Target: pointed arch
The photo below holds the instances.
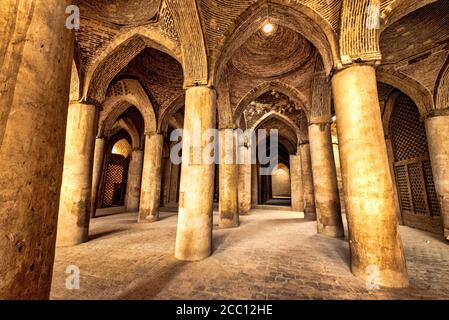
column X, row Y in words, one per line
column 285, row 140
column 294, row 15
column 263, row 87
column 119, row 53
column 121, row 96
column 283, row 118
column 416, row 91
column 127, row 125
column 170, row 111
column 442, row 88
column 176, row 121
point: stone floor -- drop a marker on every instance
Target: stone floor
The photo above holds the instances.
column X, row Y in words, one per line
column 273, row 255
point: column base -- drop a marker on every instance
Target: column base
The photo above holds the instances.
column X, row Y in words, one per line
column 64, row 242
column 132, row 209
column 330, row 231
column 228, row 224
column 310, row 215
column 376, row 278
column 190, row 258
column 148, row 219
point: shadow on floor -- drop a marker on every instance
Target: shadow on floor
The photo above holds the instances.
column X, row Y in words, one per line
column 285, row 221
column 105, row 234
column 218, row 240
column 338, row 245
column 157, row 281
column 167, row 215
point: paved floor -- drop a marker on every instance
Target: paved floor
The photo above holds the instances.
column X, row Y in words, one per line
column 273, row 255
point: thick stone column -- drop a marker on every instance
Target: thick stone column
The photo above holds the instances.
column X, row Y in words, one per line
column 134, row 181
column 76, row 189
column 35, row 63
column 307, row 181
column 390, row 154
column 327, row 201
column 166, row 169
column 437, row 133
column 100, row 144
column 194, row 235
column 244, row 179
column 150, row 191
column 174, row 184
column 341, row 189
column 296, row 183
column 254, row 186
column 376, row 250
column 228, row 180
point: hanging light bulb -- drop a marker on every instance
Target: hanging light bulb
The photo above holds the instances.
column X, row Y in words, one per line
column 268, row 28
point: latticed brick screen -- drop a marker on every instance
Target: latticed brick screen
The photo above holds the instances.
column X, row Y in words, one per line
column 431, row 192
column 418, row 188
column 115, row 181
column 402, row 182
column 408, row 131
column 414, row 179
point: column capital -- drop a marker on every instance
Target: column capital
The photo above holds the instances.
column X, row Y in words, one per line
column 152, row 133
column 321, row 122
column 228, row 128
column 81, row 102
column 342, row 67
column 87, row 101
column 201, row 86
column 437, row 113
column 303, row 143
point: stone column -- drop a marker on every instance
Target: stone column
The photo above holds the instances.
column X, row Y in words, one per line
column 76, row 189
column 166, row 169
column 390, row 154
column 307, row 181
column 174, row 184
column 151, row 178
column 296, row 184
column 194, row 234
column 437, row 133
column 100, row 144
column 244, row 179
column 134, row 181
column 254, row 186
column 35, row 63
column 325, row 186
column 228, row 180
column 341, row 188
column 376, row 249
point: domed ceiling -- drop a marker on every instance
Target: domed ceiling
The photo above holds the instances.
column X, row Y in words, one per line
column 272, row 55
